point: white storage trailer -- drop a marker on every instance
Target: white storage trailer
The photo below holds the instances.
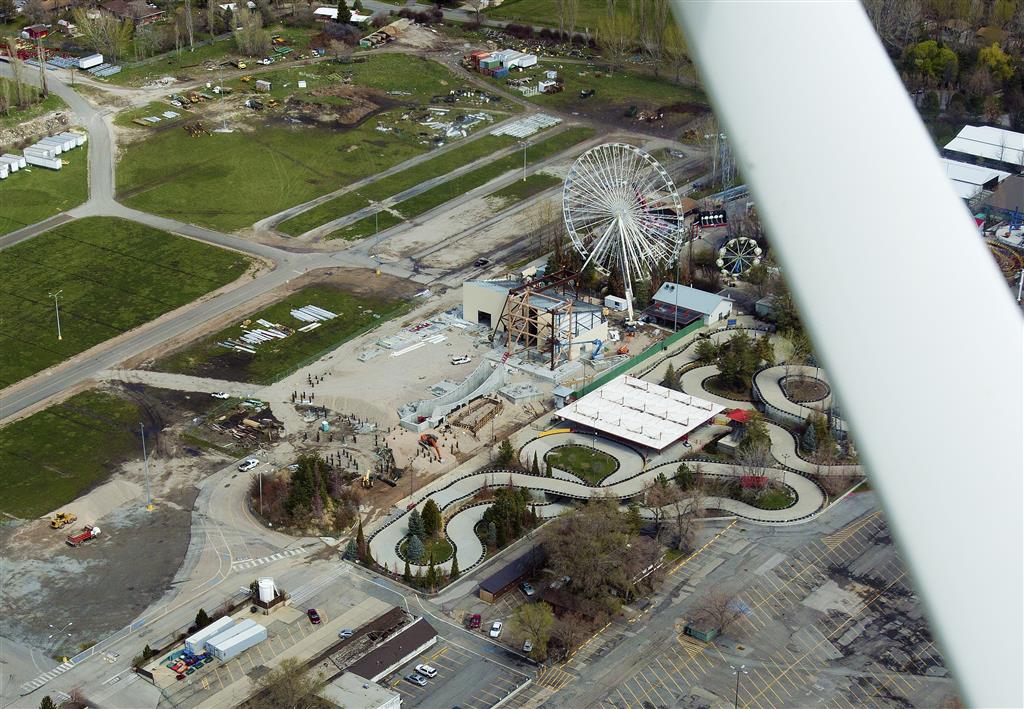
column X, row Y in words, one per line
column 66, row 142
column 43, row 161
column 225, row 635
column 4, row 170
column 40, row 150
column 90, row 61
column 20, row 159
column 238, row 643
column 56, row 144
column 79, row 138
column 13, row 163
column 196, row 644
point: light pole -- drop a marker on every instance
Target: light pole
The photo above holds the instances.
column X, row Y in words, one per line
column 145, row 467
column 57, row 632
column 785, row 464
column 56, row 308
column 741, row 670
column 524, row 161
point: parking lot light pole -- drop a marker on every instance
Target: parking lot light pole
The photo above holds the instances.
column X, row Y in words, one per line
column 741, row 670
column 56, row 308
column 145, row 467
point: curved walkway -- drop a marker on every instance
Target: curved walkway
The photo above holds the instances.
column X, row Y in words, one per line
column 634, row 471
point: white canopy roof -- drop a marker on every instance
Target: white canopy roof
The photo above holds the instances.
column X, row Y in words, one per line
column 641, row 412
column 991, row 143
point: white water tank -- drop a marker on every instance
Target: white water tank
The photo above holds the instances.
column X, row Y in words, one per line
column 267, row 589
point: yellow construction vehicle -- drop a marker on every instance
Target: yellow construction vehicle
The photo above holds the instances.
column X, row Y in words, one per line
column 62, row 519
column 246, row 78
column 273, row 103
column 367, row 481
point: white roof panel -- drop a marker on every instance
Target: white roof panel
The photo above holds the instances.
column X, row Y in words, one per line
column 640, row 411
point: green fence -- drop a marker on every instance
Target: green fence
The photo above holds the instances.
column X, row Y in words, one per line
column 656, row 348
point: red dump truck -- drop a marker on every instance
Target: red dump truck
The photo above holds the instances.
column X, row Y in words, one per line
column 87, row 534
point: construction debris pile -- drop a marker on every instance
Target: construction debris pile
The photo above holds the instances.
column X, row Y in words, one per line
column 267, row 331
column 250, row 423
column 416, row 336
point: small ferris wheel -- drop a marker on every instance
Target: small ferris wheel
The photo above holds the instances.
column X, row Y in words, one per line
column 738, row 255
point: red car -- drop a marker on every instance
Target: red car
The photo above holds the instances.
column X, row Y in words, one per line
column 474, row 621
column 314, row 617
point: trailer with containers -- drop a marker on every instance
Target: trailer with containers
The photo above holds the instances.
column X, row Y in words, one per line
column 196, row 643
column 13, row 160
column 229, row 632
column 238, row 643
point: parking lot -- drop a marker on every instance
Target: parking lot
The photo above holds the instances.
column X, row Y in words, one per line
column 206, row 682
column 869, row 645
column 465, row 678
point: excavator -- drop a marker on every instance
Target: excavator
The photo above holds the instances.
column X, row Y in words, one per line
column 429, row 440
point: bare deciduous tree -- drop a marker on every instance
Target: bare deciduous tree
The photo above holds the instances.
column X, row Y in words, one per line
column 616, row 37
column 104, row 33
column 289, row 686
column 250, row 37
column 717, row 610
column 895, row 22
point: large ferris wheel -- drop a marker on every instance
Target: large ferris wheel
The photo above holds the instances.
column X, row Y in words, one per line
column 622, row 212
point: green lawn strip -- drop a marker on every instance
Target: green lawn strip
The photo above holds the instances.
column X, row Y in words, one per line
column 522, row 189
column 154, row 108
column 394, row 184
column 16, row 116
column 589, row 14
column 775, row 499
column 585, row 463
column 622, row 88
column 114, row 275
column 462, row 184
column 54, row 456
column 227, row 181
column 278, row 358
column 442, row 549
column 35, row 193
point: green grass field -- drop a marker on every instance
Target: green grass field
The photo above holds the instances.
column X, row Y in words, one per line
column 522, row 189
column 227, row 181
column 35, row 193
column 392, row 185
column 589, row 14
column 619, row 90
column 440, row 547
column 273, row 360
column 114, row 276
column 153, row 108
column 17, row 116
column 585, row 463
column 438, row 195
column 56, row 455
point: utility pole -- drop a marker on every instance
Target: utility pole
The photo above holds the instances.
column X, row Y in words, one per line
column 42, row 67
column 145, row 461
column 56, row 308
column 524, row 161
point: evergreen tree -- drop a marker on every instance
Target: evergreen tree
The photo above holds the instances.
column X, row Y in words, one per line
column 636, row 523
column 358, row 6
column 492, row 535
column 344, row 14
column 547, row 470
column 809, row 441
column 364, row 553
column 431, row 518
column 47, row 703
column 416, row 527
column 202, row 619
column 506, row 453
column 454, row 573
column 432, row 575
column 706, row 351
column 407, row 574
column 684, row 477
column 756, row 435
column 670, row 381
column 536, row 465
column 351, row 550
column 414, row 549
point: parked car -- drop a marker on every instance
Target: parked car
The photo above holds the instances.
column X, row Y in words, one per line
column 346, row 633
column 528, row 646
column 481, row 262
column 248, row 464
column 527, row 589
column 426, row 671
column 417, row 679
column 314, row 617
column 461, row 359
column 473, row 622
column 219, row 395
column 495, row 629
